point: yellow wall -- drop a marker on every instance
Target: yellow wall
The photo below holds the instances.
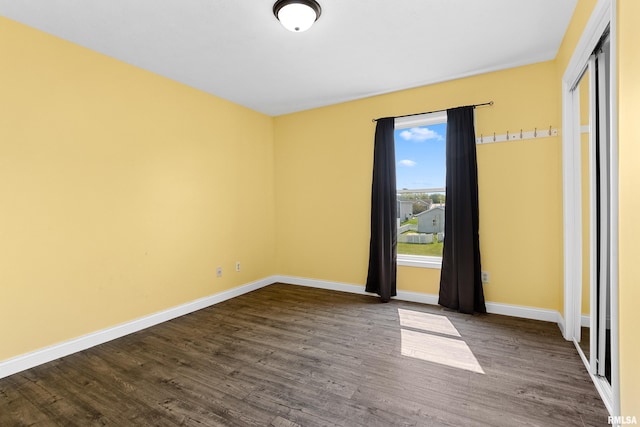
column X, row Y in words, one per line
column 323, row 181
column 629, row 204
column 579, row 20
column 121, row 192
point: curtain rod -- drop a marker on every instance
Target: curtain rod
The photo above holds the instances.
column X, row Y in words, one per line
column 429, row 112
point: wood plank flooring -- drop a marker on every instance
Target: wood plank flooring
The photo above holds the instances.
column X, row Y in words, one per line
column 293, row 356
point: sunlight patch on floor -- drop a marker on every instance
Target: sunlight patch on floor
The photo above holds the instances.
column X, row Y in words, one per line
column 427, row 322
column 427, row 346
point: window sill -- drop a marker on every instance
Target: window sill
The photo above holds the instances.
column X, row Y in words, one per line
column 419, row 261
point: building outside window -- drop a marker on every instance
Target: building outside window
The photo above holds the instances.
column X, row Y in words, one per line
column 420, row 149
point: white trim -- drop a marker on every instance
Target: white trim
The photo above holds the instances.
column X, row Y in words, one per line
column 572, row 217
column 48, row 354
column 431, row 299
column 422, row 190
column 601, row 385
column 605, row 390
column 426, row 119
column 323, row 284
column 56, row 351
column 598, row 22
column 560, row 322
column 492, row 307
column 419, row 261
column 523, row 312
column 613, row 226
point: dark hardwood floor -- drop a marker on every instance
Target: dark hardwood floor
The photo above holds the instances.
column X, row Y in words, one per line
column 286, row 356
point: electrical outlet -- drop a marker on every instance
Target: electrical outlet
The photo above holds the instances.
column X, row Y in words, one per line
column 485, row 276
column 237, row 265
column 219, row 272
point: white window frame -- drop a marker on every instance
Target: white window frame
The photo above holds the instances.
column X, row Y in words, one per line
column 439, row 117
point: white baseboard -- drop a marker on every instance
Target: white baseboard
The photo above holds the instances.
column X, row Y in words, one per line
column 524, row 312
column 492, row 307
column 56, row 351
column 322, row 284
column 48, row 354
column 355, row 289
column 585, row 321
column 560, row 322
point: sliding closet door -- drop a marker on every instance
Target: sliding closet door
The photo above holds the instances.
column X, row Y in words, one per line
column 592, row 95
column 583, row 93
column 602, row 247
column 590, row 197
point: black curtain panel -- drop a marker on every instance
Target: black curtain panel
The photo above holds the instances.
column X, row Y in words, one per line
column 460, row 279
column 381, row 278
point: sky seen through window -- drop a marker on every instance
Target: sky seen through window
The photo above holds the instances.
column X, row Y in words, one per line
column 420, row 157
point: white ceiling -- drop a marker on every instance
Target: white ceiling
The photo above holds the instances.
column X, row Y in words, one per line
column 236, row 49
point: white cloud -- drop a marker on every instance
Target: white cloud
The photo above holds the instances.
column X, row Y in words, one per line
column 419, row 134
column 407, row 163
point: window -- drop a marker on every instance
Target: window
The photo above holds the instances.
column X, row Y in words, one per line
column 420, row 182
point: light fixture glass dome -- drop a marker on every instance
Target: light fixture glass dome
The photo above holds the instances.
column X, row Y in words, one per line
column 297, row 15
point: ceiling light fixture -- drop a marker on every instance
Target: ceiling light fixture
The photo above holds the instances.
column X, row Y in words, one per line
column 297, row 15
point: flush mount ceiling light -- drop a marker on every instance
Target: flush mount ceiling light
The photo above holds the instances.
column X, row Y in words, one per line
column 297, row 15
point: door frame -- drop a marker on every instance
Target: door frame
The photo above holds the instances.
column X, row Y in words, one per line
column 603, row 17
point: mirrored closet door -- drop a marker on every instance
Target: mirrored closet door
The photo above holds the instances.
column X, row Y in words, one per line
column 592, row 95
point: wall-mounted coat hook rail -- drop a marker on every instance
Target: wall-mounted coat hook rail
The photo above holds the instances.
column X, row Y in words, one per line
column 517, row 136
